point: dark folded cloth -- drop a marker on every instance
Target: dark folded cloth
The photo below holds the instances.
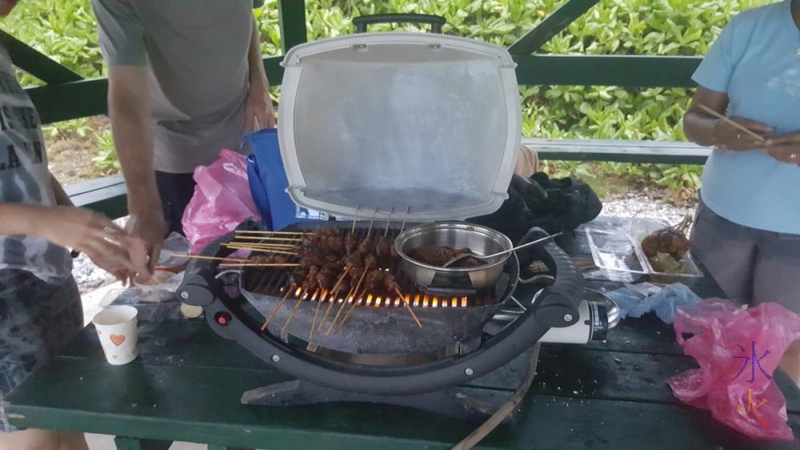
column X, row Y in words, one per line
column 558, row 205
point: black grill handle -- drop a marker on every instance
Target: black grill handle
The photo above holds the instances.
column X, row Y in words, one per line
column 557, row 305
column 436, row 22
column 200, row 286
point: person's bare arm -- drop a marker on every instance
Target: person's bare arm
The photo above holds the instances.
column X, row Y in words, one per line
column 74, row 228
column 132, row 126
column 259, row 105
column 704, row 129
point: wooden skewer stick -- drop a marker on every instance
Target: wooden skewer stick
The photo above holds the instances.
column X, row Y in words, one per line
column 355, row 216
column 346, row 316
column 270, row 238
column 259, row 265
column 291, row 316
column 356, row 297
column 408, row 306
column 273, row 232
column 314, row 323
column 731, row 122
column 371, row 221
column 388, row 221
column 263, row 245
column 277, row 308
column 334, row 292
column 210, row 258
column 403, row 227
column 344, row 303
column 262, row 250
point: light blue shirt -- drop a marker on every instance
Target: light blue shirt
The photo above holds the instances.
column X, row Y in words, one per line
column 756, row 61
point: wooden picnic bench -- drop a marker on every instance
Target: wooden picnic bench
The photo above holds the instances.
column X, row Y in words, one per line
column 187, row 383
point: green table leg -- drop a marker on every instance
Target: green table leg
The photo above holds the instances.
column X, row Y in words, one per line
column 129, row 443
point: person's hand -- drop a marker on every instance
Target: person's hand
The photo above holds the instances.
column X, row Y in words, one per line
column 106, row 244
column 785, row 148
column 149, row 230
column 729, row 137
column 258, row 110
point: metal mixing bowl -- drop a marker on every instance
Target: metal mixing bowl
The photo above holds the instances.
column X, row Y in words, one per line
column 481, row 240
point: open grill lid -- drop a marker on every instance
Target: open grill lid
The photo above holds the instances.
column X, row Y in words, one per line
column 397, row 120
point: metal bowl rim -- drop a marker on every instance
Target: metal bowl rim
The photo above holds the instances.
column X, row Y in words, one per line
column 465, row 227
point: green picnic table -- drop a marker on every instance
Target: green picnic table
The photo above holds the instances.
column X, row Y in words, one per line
column 187, row 384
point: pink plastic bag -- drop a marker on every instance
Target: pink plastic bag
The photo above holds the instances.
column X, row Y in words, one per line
column 221, row 200
column 738, row 351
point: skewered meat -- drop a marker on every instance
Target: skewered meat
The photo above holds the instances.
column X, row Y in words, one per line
column 374, row 280
column 666, row 240
column 382, row 248
column 391, row 283
column 439, row 255
column 310, row 283
column 365, row 247
column 370, row 262
column 350, row 243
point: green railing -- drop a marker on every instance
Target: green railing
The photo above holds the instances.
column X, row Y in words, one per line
column 68, row 96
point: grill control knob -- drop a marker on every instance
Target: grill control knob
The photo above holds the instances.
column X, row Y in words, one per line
column 223, row 318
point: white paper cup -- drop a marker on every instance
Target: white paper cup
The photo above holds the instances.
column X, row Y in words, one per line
column 116, row 328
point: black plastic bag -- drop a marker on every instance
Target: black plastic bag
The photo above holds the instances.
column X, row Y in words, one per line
column 558, row 205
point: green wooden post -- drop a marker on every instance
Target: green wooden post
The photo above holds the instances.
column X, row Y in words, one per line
column 35, row 63
column 607, row 70
column 551, row 26
column 128, row 443
column 293, row 23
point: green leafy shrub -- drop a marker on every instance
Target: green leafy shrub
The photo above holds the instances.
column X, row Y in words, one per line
column 67, row 33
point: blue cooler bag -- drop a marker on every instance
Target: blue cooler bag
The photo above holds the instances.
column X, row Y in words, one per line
column 268, row 183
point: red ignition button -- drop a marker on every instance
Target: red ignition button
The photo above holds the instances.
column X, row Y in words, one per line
column 223, row 318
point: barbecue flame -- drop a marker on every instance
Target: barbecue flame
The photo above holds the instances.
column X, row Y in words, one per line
column 374, row 300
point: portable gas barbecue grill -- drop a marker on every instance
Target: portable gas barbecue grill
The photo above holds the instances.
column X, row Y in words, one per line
column 404, row 129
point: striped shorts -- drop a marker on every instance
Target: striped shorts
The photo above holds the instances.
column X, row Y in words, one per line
column 36, row 318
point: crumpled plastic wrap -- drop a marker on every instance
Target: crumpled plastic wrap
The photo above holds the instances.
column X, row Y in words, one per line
column 738, row 351
column 221, row 200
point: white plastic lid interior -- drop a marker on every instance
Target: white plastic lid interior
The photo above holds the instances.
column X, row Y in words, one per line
column 394, row 121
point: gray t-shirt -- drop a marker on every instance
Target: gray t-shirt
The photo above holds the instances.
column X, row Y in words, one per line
column 24, row 178
column 196, row 53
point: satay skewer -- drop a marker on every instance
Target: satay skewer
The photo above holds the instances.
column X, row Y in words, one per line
column 758, row 138
column 355, row 216
column 334, row 292
column 291, row 315
column 210, row 258
column 408, row 306
column 270, row 238
column 388, row 221
column 263, row 245
column 344, row 303
column 314, row 323
column 267, row 232
column 403, row 227
column 277, row 308
column 260, row 265
column 371, row 221
column 261, row 249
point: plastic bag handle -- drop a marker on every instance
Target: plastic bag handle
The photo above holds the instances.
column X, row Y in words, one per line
column 436, row 22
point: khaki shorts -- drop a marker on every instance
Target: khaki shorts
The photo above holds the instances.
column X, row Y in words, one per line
column 752, row 266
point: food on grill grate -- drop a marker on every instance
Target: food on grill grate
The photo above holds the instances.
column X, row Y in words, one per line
column 324, row 255
column 438, row 255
